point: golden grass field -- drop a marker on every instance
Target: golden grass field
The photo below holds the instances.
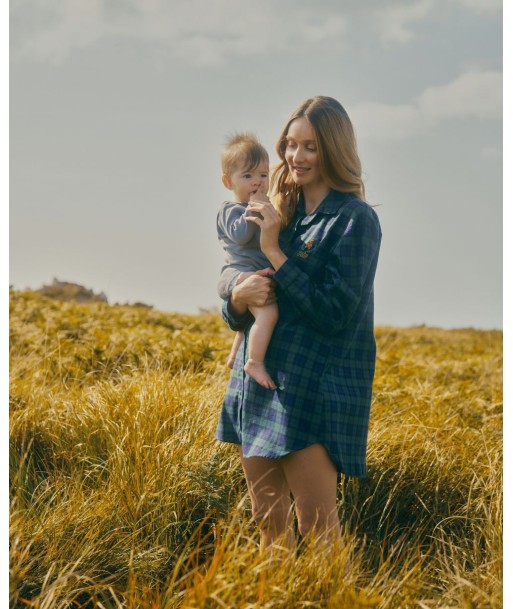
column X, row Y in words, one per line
column 121, row 498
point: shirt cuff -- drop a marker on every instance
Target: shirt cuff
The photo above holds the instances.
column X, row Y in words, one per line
column 234, row 321
column 288, row 274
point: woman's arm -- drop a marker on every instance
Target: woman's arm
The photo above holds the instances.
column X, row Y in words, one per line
column 269, row 221
column 256, row 290
column 328, row 302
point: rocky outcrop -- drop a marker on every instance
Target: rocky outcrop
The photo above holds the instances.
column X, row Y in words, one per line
column 65, row 290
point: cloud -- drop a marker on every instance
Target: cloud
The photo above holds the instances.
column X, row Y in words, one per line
column 395, row 19
column 44, row 29
column 474, row 94
column 482, row 6
column 196, row 32
column 380, row 121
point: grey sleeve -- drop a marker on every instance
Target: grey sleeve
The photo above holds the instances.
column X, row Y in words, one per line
column 232, row 221
column 227, row 282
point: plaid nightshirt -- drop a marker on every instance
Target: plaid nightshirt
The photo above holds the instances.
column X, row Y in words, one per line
column 322, row 353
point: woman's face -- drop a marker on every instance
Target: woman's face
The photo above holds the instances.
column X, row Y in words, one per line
column 301, row 153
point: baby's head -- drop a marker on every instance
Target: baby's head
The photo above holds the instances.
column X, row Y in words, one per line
column 245, row 165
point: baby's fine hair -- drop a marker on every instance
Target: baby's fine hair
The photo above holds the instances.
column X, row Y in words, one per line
column 242, row 151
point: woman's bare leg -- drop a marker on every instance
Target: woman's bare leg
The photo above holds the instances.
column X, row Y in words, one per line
column 258, row 341
column 270, row 500
column 312, row 478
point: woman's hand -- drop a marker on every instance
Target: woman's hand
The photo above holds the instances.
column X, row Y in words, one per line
column 269, row 222
column 257, row 290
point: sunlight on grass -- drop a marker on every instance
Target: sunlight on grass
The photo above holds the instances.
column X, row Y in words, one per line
column 121, row 498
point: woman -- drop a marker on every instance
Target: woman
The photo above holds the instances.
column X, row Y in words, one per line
column 295, row 440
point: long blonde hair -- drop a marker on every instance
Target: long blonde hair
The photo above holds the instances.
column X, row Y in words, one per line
column 339, row 164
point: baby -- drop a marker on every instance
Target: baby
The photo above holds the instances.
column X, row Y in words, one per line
column 245, row 165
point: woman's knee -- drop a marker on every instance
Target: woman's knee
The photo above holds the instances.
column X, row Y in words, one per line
column 317, row 521
column 269, row 492
column 307, row 523
column 274, row 514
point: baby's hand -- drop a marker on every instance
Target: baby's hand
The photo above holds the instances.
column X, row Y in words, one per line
column 260, row 194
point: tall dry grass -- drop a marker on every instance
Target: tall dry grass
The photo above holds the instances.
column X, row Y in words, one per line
column 120, row 497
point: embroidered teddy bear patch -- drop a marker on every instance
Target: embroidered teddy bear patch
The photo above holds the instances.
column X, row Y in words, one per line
column 306, row 247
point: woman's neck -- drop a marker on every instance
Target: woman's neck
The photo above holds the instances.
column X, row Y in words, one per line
column 314, row 196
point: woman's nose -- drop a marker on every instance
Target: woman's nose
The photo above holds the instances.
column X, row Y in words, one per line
column 298, row 156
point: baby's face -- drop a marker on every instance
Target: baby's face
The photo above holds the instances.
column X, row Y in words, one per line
column 244, row 182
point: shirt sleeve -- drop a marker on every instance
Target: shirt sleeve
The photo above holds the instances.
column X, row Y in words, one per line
column 236, row 323
column 232, row 220
column 329, row 302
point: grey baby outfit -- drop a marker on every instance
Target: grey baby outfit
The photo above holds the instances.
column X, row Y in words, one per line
column 241, row 243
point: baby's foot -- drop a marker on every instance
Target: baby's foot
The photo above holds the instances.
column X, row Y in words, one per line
column 257, row 371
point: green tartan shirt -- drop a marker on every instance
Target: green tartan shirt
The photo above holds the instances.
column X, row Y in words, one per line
column 322, row 353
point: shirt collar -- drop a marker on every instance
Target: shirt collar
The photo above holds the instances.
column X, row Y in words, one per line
column 330, row 205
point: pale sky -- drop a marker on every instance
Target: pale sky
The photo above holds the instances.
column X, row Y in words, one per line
column 119, row 109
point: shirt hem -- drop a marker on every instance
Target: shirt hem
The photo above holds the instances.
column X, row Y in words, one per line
column 359, row 472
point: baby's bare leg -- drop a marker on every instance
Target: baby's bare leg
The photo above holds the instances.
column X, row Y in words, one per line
column 240, row 335
column 258, row 341
column 235, row 347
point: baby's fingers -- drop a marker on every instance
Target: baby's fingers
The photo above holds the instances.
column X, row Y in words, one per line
column 259, row 195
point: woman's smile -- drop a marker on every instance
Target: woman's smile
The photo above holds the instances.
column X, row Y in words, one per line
column 300, row 170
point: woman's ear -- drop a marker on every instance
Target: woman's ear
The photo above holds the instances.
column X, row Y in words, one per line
column 226, row 181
